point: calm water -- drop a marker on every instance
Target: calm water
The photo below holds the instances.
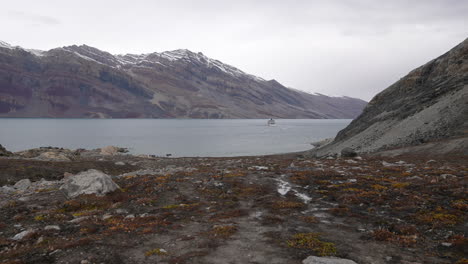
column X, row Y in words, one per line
column 182, row 138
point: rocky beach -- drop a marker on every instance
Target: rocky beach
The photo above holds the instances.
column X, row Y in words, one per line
column 107, row 206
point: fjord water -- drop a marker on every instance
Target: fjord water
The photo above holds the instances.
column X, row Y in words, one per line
column 179, row 137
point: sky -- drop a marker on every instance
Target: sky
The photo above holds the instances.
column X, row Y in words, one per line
column 353, row 48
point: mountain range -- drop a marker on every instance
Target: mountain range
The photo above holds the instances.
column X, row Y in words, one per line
column 85, row 82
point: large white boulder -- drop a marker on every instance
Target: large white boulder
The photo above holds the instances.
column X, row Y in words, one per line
column 326, row 260
column 88, row 182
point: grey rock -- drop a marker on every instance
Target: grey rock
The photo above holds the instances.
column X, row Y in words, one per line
column 52, row 227
column 78, row 219
column 109, row 150
column 120, row 163
column 24, row 199
column 23, row 184
column 445, row 176
column 112, row 150
column 106, row 216
column 23, row 234
column 326, row 260
column 121, row 211
column 89, row 182
column 348, row 153
column 7, row 189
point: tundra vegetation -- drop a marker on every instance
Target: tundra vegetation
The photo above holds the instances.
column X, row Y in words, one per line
column 210, row 210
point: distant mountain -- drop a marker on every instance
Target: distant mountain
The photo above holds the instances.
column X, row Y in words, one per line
column 82, row 81
column 425, row 112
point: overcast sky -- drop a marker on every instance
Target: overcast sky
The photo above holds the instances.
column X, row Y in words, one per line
column 350, row 47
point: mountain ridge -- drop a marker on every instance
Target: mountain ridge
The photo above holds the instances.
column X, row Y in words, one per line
column 170, row 84
column 428, row 105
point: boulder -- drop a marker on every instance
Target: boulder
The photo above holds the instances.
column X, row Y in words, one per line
column 348, row 153
column 88, row 182
column 53, row 156
column 326, row 260
column 109, row 150
column 4, row 152
column 112, row 150
column 23, row 184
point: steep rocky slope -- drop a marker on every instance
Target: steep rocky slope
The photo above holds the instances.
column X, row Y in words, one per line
column 430, row 104
column 82, row 81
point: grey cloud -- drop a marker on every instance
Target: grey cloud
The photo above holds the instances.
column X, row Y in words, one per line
column 41, row 19
column 337, row 47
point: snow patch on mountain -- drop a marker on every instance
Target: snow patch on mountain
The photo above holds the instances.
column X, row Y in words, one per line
column 3, row 44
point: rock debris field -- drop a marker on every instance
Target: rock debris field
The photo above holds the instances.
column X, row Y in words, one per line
column 92, row 206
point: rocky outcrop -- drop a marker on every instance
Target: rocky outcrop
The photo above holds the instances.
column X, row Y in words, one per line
column 82, row 81
column 427, row 105
column 88, row 182
column 53, row 156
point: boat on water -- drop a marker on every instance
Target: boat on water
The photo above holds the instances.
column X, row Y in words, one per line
column 271, row 122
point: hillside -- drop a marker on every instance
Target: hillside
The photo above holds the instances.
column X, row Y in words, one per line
column 426, row 111
column 82, row 81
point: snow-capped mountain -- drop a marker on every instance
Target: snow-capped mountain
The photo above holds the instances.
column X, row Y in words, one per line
column 82, row 81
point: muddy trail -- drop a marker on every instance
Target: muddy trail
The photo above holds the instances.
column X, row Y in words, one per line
column 275, row 209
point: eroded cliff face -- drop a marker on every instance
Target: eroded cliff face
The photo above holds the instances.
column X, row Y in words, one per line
column 429, row 104
column 82, row 81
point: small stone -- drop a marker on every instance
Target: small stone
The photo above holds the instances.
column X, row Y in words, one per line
column 121, row 211
column 84, row 261
column 78, row 220
column 24, row 199
column 106, row 216
column 445, row 176
column 40, row 240
column 351, row 161
column 446, row 244
column 120, row 163
column 131, row 216
column 23, row 234
column 52, row 227
column 387, row 164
